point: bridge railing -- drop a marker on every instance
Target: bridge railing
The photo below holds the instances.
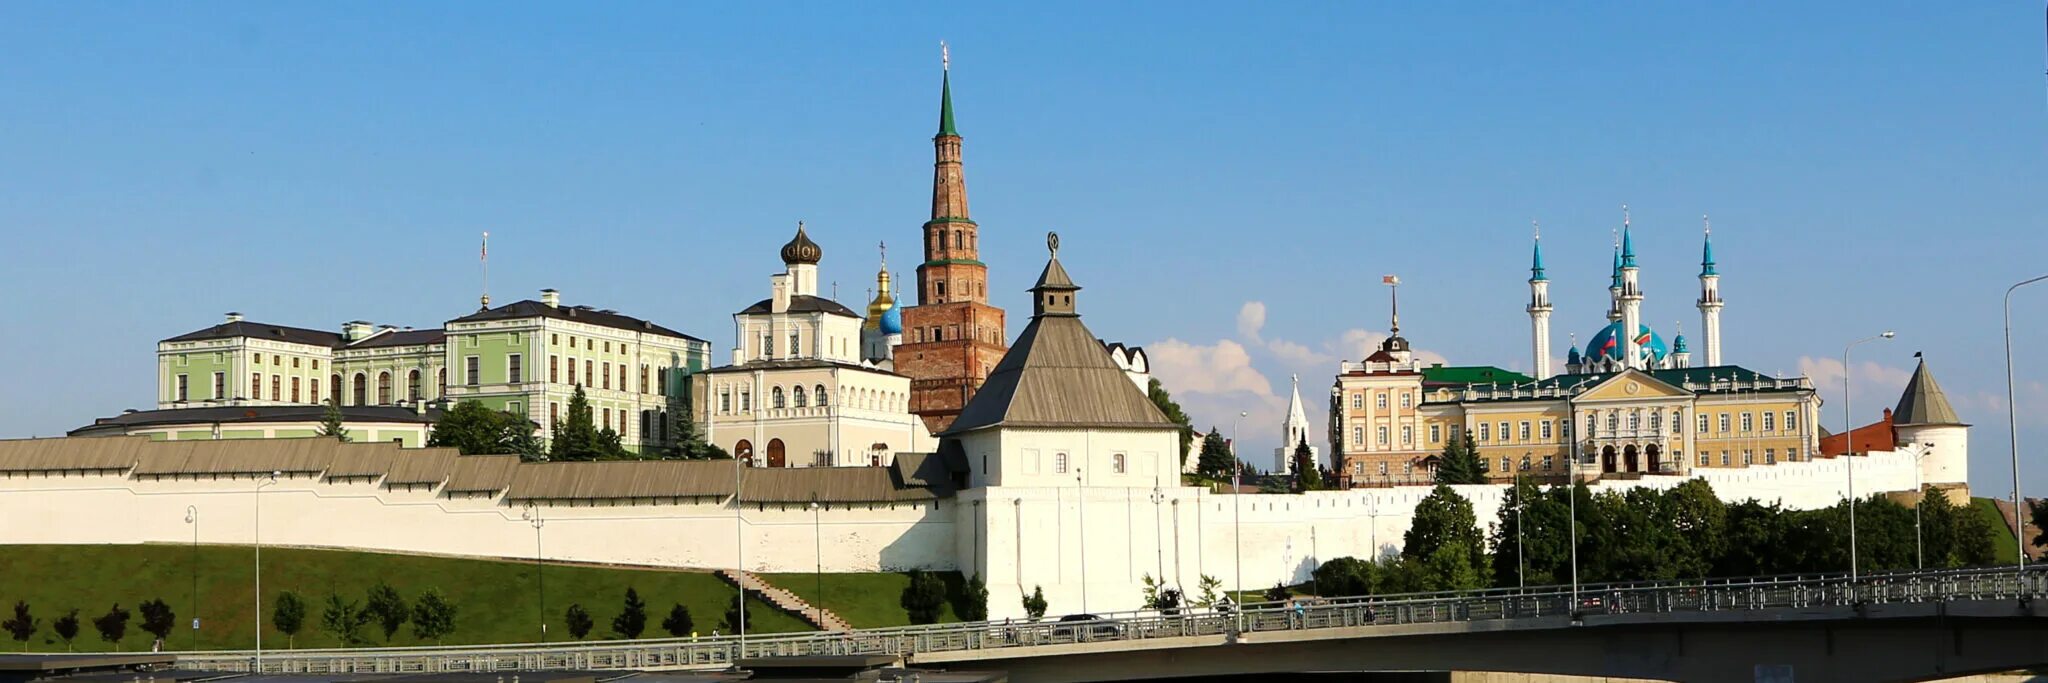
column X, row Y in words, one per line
column 1716, row 595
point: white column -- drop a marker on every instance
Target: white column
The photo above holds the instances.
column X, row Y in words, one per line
column 1710, row 317
column 1539, row 327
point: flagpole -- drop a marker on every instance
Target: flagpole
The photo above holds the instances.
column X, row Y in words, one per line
column 484, row 255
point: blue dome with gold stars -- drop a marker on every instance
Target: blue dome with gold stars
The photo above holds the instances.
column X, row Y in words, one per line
column 1607, row 343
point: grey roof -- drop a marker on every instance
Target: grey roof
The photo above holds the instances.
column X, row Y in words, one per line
column 529, row 308
column 403, row 338
column 256, row 330
column 1923, row 402
column 804, row 303
column 1054, row 277
column 1057, row 375
column 119, row 424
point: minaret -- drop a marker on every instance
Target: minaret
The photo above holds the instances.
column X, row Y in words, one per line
column 1614, row 284
column 1710, row 295
column 1631, row 300
column 1681, row 356
column 1539, row 309
column 953, row 337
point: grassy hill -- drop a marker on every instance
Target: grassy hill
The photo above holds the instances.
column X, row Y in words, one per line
column 868, row 600
column 496, row 600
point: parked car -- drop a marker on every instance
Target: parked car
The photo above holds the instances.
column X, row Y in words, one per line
column 1086, row 626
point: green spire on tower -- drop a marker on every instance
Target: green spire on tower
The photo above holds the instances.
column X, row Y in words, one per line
column 946, row 93
column 1536, row 263
column 1707, row 251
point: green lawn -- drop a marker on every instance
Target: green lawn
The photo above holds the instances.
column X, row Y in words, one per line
column 2008, row 548
column 866, row 600
column 496, row 600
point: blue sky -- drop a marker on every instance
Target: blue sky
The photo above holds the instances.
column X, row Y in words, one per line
column 1230, row 180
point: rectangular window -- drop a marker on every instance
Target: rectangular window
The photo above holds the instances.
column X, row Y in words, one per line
column 1436, row 433
column 1485, row 431
column 472, row 370
column 1523, row 432
column 1545, row 432
column 1407, row 435
column 643, row 380
column 295, row 390
column 607, row 375
column 554, row 340
column 1357, row 401
column 1382, row 433
column 1748, row 423
column 513, row 407
column 1357, row 436
column 295, row 361
column 1724, row 459
column 1381, row 399
column 255, row 386
column 554, row 414
column 316, row 365
column 258, row 359
column 314, row 389
column 607, row 419
column 515, row 370
column 277, row 387
column 554, row 369
column 1770, row 422
column 1549, row 461
column 1503, row 432
column 1747, row 459
column 1484, row 465
column 183, row 384
column 622, row 374
column 220, row 385
column 1791, row 420
column 1724, row 423
column 1703, row 424
column 572, row 370
column 607, row 346
column 1407, row 400
column 725, row 402
column 589, row 371
column 1456, row 430
column 1704, row 460
column 1770, row 456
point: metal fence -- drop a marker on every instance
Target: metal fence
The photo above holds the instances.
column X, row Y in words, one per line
column 1046, row 637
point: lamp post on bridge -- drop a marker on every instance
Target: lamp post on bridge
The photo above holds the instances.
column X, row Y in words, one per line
column 258, row 536
column 1849, row 453
column 192, row 518
column 532, row 516
column 2013, row 427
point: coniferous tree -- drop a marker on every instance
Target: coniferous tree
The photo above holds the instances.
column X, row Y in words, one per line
column 330, row 422
column 2037, row 509
column 578, row 620
column 1216, row 461
column 679, row 623
column 576, row 438
column 1308, row 475
column 923, row 597
column 1460, row 463
column 1034, row 604
column 972, row 602
column 344, row 619
column 632, row 619
column 113, row 626
column 690, row 443
column 474, row 429
column 737, row 611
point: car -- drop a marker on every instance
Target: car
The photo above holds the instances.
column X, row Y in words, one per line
column 1086, row 626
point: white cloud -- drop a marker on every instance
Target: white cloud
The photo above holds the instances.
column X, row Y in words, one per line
column 1876, row 386
column 1251, row 318
column 1356, row 344
column 1220, row 368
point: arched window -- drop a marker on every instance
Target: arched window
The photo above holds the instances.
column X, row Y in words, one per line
column 775, row 397
column 384, row 388
column 1656, row 421
column 798, row 394
column 441, row 382
column 359, row 394
column 1059, row 463
column 821, row 395
column 1116, row 463
column 959, row 240
column 412, row 385
column 334, row 386
column 1635, row 420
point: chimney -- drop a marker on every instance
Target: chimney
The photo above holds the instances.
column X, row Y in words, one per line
column 234, row 317
column 356, row 330
column 552, row 298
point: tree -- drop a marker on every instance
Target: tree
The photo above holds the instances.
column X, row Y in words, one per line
column 690, row 443
column 1167, row 406
column 1938, row 529
column 113, row 625
column 1278, row 593
column 679, row 623
column 433, row 616
column 23, row 625
column 474, row 429
column 1216, row 461
column 1345, row 576
column 578, row 620
column 577, row 437
column 1700, row 522
column 1308, row 474
column 344, row 620
column 157, row 618
column 1168, row 602
column 1444, row 518
column 1034, row 604
column 2038, row 510
column 386, row 607
column 632, row 620
column 1210, row 589
column 923, row 597
column 737, row 612
column 1459, row 463
column 972, row 603
column 330, row 421
column 289, row 616
column 67, row 628
column 1976, row 533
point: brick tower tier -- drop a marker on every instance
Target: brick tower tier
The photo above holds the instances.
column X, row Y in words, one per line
column 952, row 338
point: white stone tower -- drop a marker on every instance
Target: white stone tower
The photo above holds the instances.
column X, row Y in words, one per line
column 1710, row 298
column 1293, row 433
column 1631, row 300
column 1925, row 419
column 1539, row 311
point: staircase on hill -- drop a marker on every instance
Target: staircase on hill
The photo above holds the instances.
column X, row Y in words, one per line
column 2027, row 532
column 784, row 600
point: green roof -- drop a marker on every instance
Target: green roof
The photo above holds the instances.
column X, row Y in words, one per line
column 946, row 105
column 1745, row 378
column 1472, row 374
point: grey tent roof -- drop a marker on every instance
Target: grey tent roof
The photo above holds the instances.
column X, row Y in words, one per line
column 1923, row 403
column 1058, row 375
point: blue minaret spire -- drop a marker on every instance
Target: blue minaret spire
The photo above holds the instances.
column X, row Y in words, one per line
column 1536, row 261
column 1628, row 247
column 1707, row 249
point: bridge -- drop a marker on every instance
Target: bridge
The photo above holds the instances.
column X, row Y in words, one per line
column 1902, row 626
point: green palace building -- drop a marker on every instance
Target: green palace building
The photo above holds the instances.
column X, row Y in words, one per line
column 245, row 379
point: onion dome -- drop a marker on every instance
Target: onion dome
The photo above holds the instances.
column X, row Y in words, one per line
column 1572, row 357
column 892, row 321
column 1678, row 344
column 882, row 312
column 1607, row 343
column 801, row 249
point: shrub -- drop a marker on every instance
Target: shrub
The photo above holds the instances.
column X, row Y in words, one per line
column 579, row 621
column 923, row 597
column 679, row 623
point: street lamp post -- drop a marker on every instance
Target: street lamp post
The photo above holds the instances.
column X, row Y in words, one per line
column 1849, row 452
column 1521, row 556
column 1158, row 533
column 532, row 516
column 1920, row 487
column 818, row 550
column 2012, row 425
column 258, row 669
column 192, row 518
column 1237, row 518
column 1081, row 527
